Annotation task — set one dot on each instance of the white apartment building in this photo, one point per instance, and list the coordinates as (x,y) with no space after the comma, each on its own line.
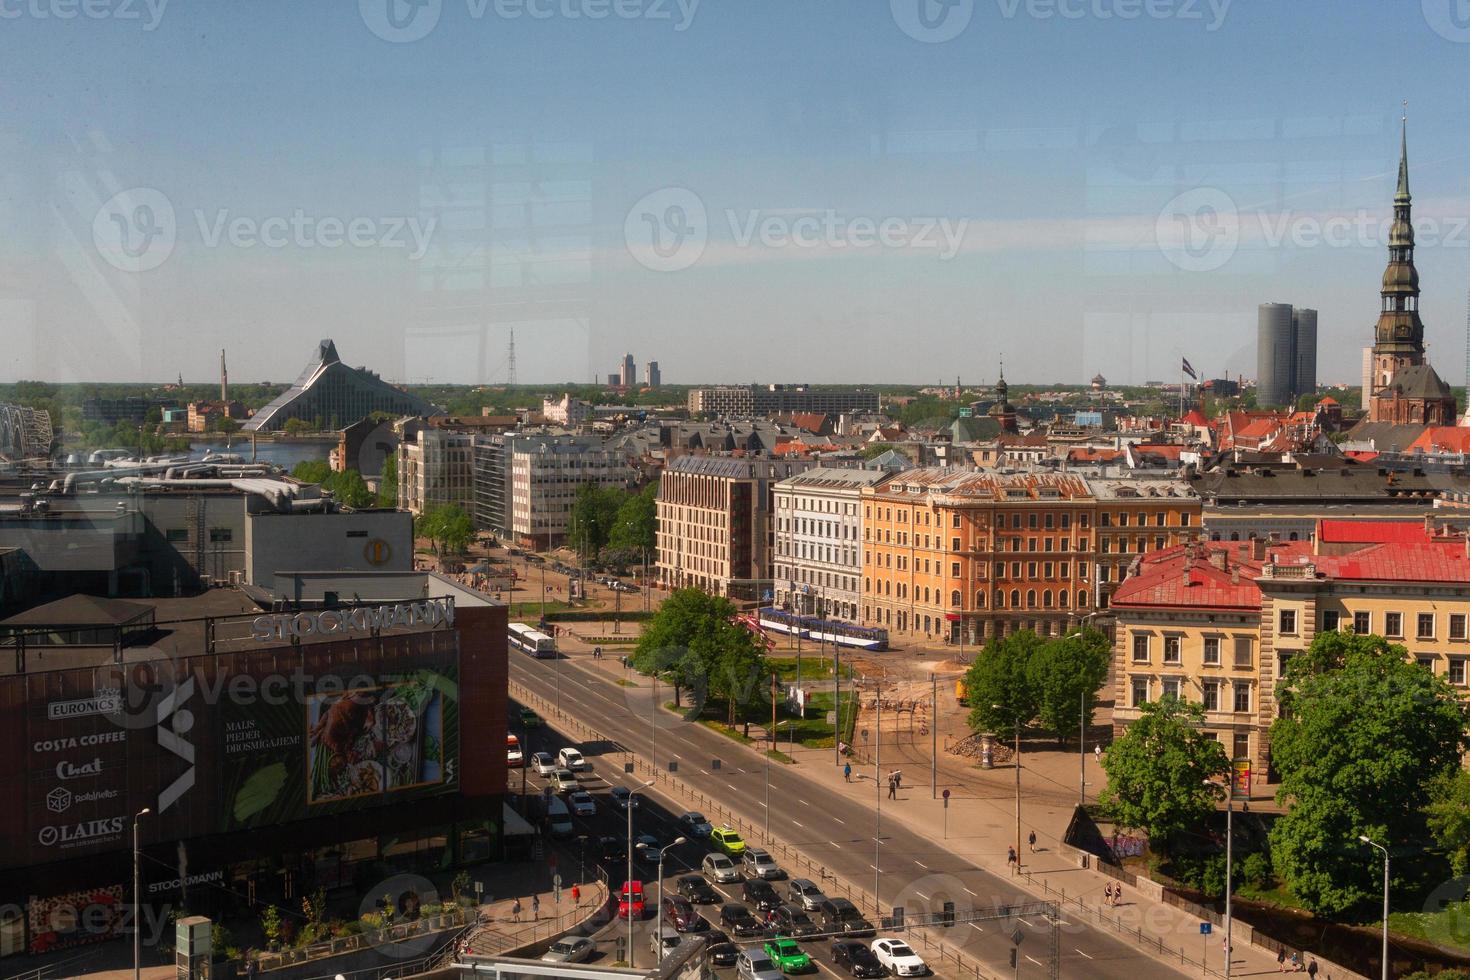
(545,474)
(436,467)
(817,559)
(566,410)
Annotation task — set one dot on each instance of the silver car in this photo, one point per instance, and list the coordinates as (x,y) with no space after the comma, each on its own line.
(801,892)
(719,868)
(573,949)
(758,863)
(754,964)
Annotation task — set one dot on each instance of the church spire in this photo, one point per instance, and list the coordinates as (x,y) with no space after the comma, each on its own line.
(1401,196)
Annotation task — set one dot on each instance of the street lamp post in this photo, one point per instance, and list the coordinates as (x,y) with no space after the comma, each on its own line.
(1018,787)
(1082,749)
(137,892)
(768,774)
(1229,864)
(658,915)
(631,801)
(1380,847)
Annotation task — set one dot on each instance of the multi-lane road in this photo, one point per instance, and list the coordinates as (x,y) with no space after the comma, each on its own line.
(832,830)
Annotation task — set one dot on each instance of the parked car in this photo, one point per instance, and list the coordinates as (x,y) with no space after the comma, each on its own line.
(760,894)
(695,825)
(720,950)
(682,914)
(787,955)
(630,900)
(570,758)
(530,719)
(623,797)
(754,964)
(899,957)
(801,891)
(790,920)
(697,890)
(719,868)
(582,803)
(612,848)
(514,757)
(661,941)
(737,918)
(857,960)
(727,840)
(563,781)
(757,863)
(559,818)
(573,949)
(839,915)
(543,763)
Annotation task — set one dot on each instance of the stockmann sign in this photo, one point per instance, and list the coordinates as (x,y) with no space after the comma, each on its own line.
(362,619)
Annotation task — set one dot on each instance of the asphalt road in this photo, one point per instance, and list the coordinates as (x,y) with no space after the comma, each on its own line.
(830,829)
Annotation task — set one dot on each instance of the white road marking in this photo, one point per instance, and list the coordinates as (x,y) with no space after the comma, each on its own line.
(873,866)
(1036,961)
(798,824)
(971,894)
(1079,952)
(922,895)
(922,865)
(976,928)
(803,802)
(840,820)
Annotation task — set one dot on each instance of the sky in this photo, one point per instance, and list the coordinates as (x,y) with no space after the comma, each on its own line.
(867,191)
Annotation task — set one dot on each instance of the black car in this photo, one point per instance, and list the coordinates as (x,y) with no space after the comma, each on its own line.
(857,959)
(841,916)
(697,890)
(788,920)
(721,951)
(760,894)
(680,911)
(739,921)
(612,848)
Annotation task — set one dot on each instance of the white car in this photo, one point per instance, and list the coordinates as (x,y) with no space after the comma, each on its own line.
(899,958)
(570,758)
(582,804)
(563,780)
(543,763)
(719,868)
(758,863)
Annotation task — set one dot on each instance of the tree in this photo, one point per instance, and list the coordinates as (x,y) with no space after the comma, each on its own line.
(388,482)
(998,685)
(350,489)
(694,641)
(447,526)
(592,517)
(312,471)
(635,524)
(1158,771)
(1448,816)
(1362,736)
(227,425)
(1065,673)
(296,427)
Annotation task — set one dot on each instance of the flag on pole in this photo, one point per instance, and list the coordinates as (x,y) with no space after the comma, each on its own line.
(1189,370)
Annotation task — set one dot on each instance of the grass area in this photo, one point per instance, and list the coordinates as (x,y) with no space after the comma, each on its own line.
(531,611)
(812,668)
(623,683)
(1277,894)
(1450,927)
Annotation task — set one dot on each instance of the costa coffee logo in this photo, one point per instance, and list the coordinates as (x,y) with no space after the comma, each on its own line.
(67,770)
(70,834)
(79,741)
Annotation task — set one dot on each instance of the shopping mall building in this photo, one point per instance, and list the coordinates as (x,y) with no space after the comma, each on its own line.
(327,733)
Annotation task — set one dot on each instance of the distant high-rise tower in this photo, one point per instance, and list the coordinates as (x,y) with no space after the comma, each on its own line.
(1304,367)
(655,377)
(224,378)
(1275,354)
(629,372)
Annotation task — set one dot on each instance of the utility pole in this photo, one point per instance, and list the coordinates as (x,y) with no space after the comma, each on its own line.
(617,610)
(837,703)
(1082,751)
(934,736)
(878,788)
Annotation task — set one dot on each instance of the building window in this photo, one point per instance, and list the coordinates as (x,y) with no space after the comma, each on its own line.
(1457,626)
(1212,651)
(1243,653)
(956,520)
(1171,650)
(1242,697)
(1287,622)
(1031,569)
(1330,618)
(1184,522)
(1082,598)
(1140,692)
(1212,695)
(1030,598)
(1426,661)
(1171,687)
(1457,671)
(1425,629)
(1140,648)
(174,534)
(1242,745)
(219,535)
(1363,624)
(954,598)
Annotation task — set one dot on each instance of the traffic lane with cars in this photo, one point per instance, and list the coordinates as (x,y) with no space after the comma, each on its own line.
(655,818)
(836,830)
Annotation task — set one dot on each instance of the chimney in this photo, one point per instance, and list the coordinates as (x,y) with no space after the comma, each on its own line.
(1258,549)
(1235,575)
(1220,558)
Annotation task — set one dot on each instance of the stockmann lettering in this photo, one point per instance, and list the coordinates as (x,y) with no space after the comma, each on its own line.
(328,622)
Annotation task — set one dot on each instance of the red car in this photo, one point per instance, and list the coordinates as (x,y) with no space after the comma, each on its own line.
(630,900)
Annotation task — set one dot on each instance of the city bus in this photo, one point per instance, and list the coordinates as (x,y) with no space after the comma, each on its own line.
(531,641)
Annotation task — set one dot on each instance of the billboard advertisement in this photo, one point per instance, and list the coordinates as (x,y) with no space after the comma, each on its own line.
(385,738)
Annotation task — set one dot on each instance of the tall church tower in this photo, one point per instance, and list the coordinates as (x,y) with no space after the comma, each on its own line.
(1405,389)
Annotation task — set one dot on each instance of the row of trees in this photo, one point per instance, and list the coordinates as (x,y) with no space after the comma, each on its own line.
(617,524)
(447,527)
(694,644)
(1367,744)
(1050,684)
(348,487)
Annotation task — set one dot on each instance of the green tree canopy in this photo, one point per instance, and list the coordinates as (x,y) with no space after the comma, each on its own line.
(635,525)
(1158,772)
(347,488)
(999,683)
(1448,815)
(388,482)
(593,514)
(694,642)
(1065,675)
(447,526)
(1363,735)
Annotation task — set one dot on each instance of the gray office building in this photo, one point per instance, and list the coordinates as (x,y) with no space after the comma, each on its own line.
(1286,354)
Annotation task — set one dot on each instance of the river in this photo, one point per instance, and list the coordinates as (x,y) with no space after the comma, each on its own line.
(286,454)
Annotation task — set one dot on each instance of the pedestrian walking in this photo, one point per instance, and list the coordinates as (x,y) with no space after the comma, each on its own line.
(847,772)
(1011,858)
(1281,960)
(1031,839)
(1296,962)
(1097,752)
(576,895)
(892,788)
(515,911)
(535,907)
(1108,893)
(897,779)
(1312,968)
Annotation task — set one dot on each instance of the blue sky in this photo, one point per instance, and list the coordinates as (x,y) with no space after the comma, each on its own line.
(795,190)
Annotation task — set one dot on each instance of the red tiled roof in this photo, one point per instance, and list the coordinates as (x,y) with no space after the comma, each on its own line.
(1094,455)
(1443,560)
(1166,450)
(1195,417)
(1442,439)
(1162,582)
(1328,400)
(1370,532)
(1361,456)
